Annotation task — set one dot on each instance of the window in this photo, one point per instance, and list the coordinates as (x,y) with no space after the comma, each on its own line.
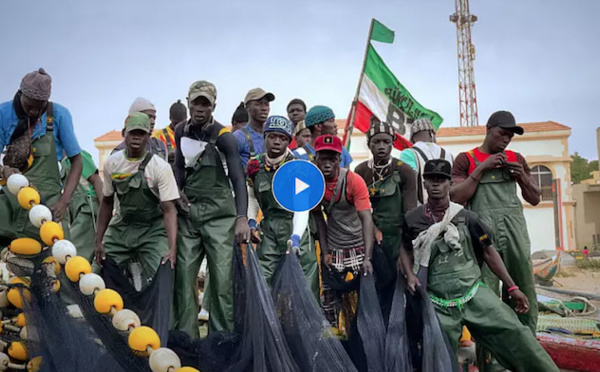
(543,178)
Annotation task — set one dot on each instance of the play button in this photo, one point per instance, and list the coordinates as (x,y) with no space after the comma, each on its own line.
(298,186)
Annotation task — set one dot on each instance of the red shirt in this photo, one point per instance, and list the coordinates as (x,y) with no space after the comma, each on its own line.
(464,164)
(357,192)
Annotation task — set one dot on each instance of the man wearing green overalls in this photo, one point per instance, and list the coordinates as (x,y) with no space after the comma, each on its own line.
(83,209)
(207,165)
(144,229)
(393,192)
(281,229)
(485,179)
(35,133)
(444,242)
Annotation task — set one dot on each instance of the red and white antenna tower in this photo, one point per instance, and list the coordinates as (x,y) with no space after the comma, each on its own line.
(467,97)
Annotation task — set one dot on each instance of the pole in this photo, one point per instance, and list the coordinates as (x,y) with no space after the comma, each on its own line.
(350,122)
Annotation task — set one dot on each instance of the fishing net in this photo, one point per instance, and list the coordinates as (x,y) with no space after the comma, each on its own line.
(309,335)
(152,304)
(65,344)
(397,354)
(263,345)
(370,324)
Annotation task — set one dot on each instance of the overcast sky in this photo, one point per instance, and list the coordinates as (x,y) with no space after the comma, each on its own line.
(537,58)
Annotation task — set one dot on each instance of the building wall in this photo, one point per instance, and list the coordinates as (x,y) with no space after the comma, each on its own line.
(549,149)
(587,214)
(104,150)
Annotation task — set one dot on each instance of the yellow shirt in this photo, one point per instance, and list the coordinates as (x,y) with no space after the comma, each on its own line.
(168,139)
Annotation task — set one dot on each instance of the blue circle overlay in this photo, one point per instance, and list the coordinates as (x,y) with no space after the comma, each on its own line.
(298,186)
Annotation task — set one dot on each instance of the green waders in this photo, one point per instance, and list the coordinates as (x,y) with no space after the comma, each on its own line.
(137,233)
(44,176)
(461,299)
(207,230)
(83,213)
(277,227)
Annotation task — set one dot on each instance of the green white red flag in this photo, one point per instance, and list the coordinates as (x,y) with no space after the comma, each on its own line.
(381,97)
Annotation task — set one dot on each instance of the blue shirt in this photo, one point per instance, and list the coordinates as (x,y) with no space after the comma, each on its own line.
(344,163)
(243,148)
(64,135)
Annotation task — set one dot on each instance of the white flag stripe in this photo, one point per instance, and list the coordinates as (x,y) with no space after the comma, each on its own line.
(373,99)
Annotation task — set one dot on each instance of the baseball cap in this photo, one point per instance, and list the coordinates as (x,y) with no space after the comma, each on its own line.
(328,142)
(438,167)
(257,94)
(137,120)
(505,120)
(279,124)
(202,88)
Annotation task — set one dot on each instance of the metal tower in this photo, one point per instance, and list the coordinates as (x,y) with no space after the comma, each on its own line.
(466,55)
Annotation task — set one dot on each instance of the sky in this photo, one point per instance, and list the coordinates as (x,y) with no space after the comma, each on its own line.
(535,58)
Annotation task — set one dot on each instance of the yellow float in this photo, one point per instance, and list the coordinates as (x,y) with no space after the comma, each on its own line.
(18,351)
(142,338)
(25,246)
(51,231)
(107,301)
(77,266)
(28,197)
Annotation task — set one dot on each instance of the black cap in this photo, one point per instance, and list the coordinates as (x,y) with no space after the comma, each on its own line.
(505,120)
(438,167)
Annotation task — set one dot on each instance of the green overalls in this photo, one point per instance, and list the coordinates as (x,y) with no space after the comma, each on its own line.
(137,233)
(277,227)
(44,176)
(461,299)
(388,212)
(207,230)
(83,214)
(496,203)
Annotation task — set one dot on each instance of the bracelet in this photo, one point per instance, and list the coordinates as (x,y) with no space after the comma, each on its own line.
(514,287)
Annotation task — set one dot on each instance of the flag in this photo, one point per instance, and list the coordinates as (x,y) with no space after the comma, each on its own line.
(381,33)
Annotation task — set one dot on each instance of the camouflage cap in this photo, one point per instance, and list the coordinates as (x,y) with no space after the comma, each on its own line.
(203,88)
(137,120)
(257,94)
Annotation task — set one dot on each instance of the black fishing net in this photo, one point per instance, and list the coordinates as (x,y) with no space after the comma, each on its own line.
(370,324)
(397,353)
(312,342)
(65,344)
(152,304)
(436,352)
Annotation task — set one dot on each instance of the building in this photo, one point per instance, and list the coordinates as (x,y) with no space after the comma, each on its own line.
(587,209)
(545,146)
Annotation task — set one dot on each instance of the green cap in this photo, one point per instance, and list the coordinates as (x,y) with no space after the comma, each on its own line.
(137,120)
(203,88)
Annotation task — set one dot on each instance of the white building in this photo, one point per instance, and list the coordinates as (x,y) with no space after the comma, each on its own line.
(545,146)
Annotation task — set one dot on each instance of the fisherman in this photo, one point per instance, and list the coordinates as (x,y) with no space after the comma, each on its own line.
(207,165)
(25,123)
(424,148)
(346,237)
(445,241)
(155,146)
(177,114)
(84,206)
(296,111)
(281,230)
(392,188)
(250,138)
(239,118)
(144,229)
(320,120)
(485,179)
(302,134)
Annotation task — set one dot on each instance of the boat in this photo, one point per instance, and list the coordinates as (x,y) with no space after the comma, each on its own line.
(574,354)
(545,269)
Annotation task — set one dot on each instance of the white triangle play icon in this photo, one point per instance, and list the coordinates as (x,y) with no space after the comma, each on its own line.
(301,186)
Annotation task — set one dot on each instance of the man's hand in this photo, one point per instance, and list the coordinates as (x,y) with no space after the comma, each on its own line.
(493,161)
(293,244)
(8,171)
(520,301)
(367,267)
(59,209)
(254,232)
(377,234)
(171,255)
(327,259)
(517,171)
(99,252)
(242,231)
(412,283)
(183,204)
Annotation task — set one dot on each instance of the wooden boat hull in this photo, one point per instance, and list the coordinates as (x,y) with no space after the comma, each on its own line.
(572,353)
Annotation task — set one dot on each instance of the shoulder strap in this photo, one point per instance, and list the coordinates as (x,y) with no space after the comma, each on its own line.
(167,139)
(249,141)
(49,117)
(472,157)
(443,153)
(214,136)
(338,188)
(420,153)
(147,158)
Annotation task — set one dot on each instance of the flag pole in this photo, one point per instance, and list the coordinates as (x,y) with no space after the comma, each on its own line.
(350,122)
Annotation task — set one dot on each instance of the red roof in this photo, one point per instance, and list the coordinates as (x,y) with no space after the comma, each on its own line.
(544,126)
(113,135)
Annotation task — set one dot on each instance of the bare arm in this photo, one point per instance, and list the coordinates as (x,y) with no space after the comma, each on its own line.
(170,220)
(104,216)
(59,208)
(494,261)
(366,220)
(520,171)
(96,182)
(465,185)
